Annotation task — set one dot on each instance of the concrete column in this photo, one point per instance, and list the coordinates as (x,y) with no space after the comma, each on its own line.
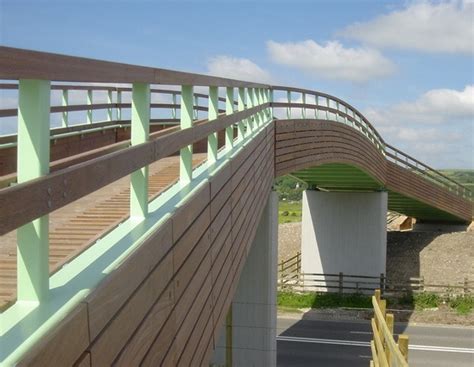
(254,303)
(344,232)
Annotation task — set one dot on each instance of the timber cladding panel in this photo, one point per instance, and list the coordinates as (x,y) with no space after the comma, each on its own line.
(164,305)
(301,144)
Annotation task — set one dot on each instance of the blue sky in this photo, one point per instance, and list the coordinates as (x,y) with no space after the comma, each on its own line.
(408,65)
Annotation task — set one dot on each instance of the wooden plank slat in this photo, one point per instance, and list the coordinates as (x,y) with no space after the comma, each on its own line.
(64,345)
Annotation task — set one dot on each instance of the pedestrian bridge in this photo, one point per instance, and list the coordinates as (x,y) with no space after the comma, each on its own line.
(131,219)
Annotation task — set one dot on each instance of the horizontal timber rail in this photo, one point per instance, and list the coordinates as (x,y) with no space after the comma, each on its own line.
(18,64)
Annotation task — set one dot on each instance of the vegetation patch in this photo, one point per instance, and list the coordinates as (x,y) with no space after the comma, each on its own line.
(289,212)
(322,300)
(462,304)
(288,300)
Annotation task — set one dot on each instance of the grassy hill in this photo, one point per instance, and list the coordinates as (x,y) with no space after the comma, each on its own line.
(463,176)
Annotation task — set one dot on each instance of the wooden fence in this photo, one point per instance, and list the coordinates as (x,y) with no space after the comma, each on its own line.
(385,351)
(291,277)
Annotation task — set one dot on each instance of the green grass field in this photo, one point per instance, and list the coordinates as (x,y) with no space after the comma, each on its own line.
(289,212)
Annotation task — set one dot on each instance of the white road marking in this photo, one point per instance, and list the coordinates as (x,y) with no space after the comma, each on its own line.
(354,343)
(361,332)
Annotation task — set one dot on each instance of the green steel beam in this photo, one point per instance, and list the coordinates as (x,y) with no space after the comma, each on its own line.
(213,113)
(229,110)
(250,104)
(288,109)
(186,153)
(109,101)
(241,107)
(140,131)
(33,162)
(119,109)
(65,114)
(90,101)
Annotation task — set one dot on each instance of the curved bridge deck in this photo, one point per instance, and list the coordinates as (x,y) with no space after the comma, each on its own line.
(155,289)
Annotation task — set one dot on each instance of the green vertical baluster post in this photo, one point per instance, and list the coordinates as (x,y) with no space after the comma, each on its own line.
(303,109)
(288,109)
(229,110)
(271,99)
(65,114)
(196,104)
(327,111)
(316,102)
(173,110)
(186,153)
(241,107)
(262,101)
(265,100)
(33,162)
(89,102)
(140,125)
(256,99)
(119,101)
(250,104)
(109,101)
(213,113)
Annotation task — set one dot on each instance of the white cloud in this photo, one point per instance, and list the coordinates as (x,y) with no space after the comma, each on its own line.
(238,68)
(445,26)
(332,60)
(436,128)
(433,107)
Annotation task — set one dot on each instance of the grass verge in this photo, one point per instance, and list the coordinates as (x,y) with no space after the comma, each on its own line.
(322,300)
(463,305)
(289,212)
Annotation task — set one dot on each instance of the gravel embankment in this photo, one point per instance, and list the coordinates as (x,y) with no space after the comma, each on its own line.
(438,257)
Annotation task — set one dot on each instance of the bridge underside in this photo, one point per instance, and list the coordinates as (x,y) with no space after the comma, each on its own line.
(335,157)
(344,177)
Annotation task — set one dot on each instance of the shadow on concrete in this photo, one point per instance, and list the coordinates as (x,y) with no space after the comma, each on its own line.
(403,254)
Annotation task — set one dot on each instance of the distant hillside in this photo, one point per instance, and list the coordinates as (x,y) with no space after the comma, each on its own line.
(463,176)
(290,189)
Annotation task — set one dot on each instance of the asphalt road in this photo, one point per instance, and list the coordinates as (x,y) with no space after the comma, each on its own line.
(345,343)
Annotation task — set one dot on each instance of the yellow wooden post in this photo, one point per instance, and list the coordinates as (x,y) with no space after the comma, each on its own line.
(382,306)
(377,295)
(390,323)
(403,345)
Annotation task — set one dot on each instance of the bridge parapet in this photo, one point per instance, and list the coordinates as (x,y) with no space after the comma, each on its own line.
(43,301)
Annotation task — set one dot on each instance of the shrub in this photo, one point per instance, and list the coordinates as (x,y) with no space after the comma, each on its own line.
(426,300)
(462,304)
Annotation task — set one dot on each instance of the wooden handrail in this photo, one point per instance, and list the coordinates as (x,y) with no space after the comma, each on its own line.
(18,64)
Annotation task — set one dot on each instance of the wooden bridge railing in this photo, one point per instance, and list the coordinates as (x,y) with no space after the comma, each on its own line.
(325,106)
(25,207)
(386,352)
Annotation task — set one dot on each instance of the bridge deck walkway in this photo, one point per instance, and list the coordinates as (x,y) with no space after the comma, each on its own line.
(80,224)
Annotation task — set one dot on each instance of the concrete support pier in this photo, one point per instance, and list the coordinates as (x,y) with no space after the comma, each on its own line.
(344,232)
(253,309)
